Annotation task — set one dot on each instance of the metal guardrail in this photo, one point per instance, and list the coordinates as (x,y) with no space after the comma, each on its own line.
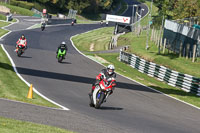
(186,82)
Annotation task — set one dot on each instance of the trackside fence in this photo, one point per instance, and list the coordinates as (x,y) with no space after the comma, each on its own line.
(186,82)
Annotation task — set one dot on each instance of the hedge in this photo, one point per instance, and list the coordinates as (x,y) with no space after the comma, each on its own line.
(23,4)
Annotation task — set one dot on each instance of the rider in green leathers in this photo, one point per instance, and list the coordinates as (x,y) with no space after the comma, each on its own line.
(62,49)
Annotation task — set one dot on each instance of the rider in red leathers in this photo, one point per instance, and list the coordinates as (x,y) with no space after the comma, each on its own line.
(21,41)
(107,74)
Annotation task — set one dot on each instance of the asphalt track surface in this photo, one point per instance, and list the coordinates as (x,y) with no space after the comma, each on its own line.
(131,108)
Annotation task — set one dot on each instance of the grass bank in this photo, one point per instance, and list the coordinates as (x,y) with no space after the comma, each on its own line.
(2,31)
(18,10)
(95,40)
(83,20)
(15,126)
(170,60)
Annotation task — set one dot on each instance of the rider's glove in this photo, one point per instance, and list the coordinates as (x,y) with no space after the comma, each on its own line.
(102,77)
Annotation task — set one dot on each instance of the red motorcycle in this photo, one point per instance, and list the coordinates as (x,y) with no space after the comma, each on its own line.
(20,50)
(100,93)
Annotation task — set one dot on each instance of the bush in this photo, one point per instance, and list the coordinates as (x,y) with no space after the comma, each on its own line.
(2,17)
(23,4)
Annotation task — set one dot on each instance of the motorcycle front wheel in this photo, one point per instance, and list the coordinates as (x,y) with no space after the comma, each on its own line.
(19,52)
(99,100)
(60,58)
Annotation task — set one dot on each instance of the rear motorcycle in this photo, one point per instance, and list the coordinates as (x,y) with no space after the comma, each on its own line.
(20,50)
(61,55)
(100,94)
(43,26)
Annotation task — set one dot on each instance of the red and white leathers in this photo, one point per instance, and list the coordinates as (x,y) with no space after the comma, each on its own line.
(22,42)
(111,78)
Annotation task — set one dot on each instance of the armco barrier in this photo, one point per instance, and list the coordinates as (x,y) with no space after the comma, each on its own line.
(186,82)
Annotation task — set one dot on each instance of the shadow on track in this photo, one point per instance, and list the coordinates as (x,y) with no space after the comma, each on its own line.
(110,108)
(66,63)
(25,57)
(79,79)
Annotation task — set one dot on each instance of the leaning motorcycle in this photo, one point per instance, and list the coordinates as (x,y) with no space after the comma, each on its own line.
(100,94)
(20,50)
(61,55)
(43,26)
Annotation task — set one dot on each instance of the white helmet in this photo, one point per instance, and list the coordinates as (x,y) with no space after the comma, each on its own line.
(110,69)
(63,43)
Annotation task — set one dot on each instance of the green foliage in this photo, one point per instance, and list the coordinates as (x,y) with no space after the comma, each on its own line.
(23,4)
(43,1)
(105,4)
(177,9)
(55,6)
(78,5)
(2,17)
(186,9)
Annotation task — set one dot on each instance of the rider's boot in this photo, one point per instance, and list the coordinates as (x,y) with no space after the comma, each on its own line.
(90,94)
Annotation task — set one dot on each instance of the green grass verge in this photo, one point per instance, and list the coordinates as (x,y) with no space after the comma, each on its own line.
(83,20)
(2,24)
(99,38)
(18,10)
(15,126)
(11,86)
(2,32)
(2,17)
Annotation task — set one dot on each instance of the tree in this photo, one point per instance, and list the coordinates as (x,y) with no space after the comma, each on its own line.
(78,5)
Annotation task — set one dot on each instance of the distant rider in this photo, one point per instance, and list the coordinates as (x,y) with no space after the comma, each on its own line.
(22,41)
(107,74)
(62,47)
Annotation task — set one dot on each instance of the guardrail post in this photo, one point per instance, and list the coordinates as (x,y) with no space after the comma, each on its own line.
(180,49)
(165,41)
(187,51)
(194,52)
(158,40)
(152,33)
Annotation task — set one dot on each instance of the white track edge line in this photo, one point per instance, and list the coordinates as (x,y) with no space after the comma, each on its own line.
(130,78)
(27,83)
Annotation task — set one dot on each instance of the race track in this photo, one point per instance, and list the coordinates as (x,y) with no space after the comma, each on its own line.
(131,108)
